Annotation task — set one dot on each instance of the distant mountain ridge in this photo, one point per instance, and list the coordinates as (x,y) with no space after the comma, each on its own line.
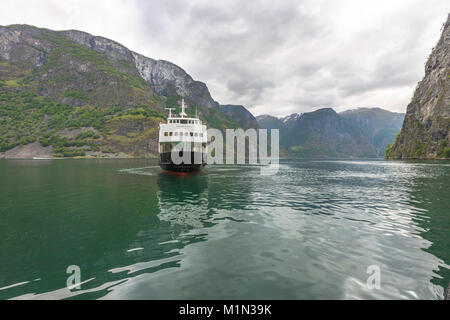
(379,125)
(243,117)
(323,133)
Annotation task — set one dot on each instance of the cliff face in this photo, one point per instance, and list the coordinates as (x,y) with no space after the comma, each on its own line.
(426,130)
(49,63)
(164,77)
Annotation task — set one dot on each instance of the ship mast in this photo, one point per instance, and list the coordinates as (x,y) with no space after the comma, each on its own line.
(183,106)
(170,111)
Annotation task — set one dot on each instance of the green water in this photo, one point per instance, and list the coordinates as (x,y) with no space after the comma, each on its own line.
(309,232)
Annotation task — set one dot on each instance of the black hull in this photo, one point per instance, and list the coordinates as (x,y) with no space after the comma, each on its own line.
(197,163)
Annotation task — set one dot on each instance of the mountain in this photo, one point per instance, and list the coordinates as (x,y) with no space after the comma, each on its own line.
(69,93)
(426,130)
(270,122)
(324,133)
(241,115)
(380,126)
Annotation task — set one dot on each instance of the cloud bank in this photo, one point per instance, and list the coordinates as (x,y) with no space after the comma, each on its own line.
(272,57)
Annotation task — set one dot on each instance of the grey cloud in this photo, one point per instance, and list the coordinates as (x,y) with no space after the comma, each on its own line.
(249,87)
(275,57)
(291,56)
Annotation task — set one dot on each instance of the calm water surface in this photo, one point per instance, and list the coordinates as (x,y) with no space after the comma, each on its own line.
(309,232)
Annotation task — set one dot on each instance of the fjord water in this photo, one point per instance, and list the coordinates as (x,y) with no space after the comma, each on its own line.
(309,232)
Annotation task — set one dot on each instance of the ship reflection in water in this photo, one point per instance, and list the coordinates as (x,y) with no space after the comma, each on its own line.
(183,201)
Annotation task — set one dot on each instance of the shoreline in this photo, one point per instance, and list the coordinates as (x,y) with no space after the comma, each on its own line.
(43,158)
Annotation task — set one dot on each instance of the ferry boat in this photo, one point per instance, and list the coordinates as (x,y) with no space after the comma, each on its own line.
(182,143)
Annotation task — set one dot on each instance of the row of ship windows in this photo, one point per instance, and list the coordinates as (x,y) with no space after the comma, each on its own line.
(186,134)
(184,121)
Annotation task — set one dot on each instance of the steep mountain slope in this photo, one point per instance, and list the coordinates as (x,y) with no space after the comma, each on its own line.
(83,95)
(380,126)
(243,117)
(324,133)
(270,122)
(426,130)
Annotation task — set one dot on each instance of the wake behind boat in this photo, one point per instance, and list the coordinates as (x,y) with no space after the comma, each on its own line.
(182,144)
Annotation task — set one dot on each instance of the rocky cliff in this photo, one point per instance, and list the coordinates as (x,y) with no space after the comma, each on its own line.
(426,129)
(164,77)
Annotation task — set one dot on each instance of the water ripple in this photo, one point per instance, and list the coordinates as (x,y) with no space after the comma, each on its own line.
(309,232)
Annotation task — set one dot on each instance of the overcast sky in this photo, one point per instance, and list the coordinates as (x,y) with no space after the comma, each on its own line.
(275,57)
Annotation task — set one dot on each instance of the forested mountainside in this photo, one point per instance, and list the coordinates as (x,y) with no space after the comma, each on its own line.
(379,125)
(362,132)
(68,93)
(243,117)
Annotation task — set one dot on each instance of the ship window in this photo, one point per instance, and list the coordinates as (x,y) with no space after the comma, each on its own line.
(186,134)
(201,134)
(176,133)
(166,134)
(170,133)
(196,134)
(192,134)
